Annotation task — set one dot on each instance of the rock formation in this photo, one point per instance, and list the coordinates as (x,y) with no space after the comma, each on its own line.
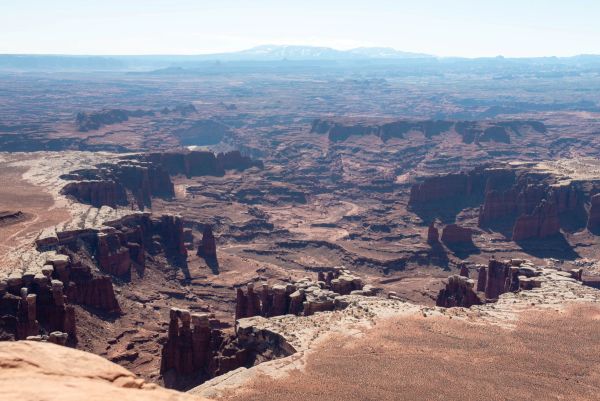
(593,223)
(459,291)
(440,188)
(188,346)
(433,235)
(35,304)
(134,180)
(304,297)
(201,163)
(454,234)
(527,203)
(493,280)
(208,245)
(464,269)
(93,121)
(120,184)
(543,222)
(123,243)
(114,250)
(470,131)
(34,370)
(504,276)
(97,193)
(197,350)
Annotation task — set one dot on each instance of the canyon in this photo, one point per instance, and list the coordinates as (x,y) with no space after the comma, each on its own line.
(315,232)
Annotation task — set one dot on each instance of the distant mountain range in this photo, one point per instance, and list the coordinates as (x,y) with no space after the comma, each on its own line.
(269,55)
(298,53)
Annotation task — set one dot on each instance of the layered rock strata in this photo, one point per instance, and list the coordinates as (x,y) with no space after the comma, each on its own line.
(527,202)
(470,131)
(134,180)
(123,243)
(201,163)
(543,222)
(126,183)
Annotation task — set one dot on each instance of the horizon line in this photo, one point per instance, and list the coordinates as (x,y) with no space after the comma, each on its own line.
(415,53)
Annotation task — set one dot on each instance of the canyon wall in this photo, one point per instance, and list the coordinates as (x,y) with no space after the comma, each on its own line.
(470,131)
(528,204)
(134,180)
(78,268)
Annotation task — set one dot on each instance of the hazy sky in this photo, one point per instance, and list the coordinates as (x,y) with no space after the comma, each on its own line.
(441,27)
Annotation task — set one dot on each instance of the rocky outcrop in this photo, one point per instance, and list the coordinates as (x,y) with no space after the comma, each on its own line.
(123,243)
(440,188)
(197,350)
(201,163)
(497,205)
(500,277)
(527,202)
(493,280)
(476,132)
(470,131)
(208,245)
(304,297)
(93,121)
(433,235)
(543,222)
(515,199)
(114,250)
(82,284)
(464,269)
(97,193)
(33,370)
(234,160)
(459,291)
(120,184)
(39,303)
(497,280)
(137,178)
(188,346)
(8,217)
(95,291)
(34,305)
(473,184)
(593,222)
(454,234)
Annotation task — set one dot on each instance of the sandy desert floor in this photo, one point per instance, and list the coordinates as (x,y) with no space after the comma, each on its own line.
(549,355)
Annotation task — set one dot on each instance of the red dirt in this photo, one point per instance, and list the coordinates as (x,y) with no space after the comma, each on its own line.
(545,358)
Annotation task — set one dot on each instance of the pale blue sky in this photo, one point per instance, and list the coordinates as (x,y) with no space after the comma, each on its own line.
(442,27)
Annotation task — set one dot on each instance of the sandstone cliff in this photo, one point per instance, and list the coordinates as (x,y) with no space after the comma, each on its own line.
(33,371)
